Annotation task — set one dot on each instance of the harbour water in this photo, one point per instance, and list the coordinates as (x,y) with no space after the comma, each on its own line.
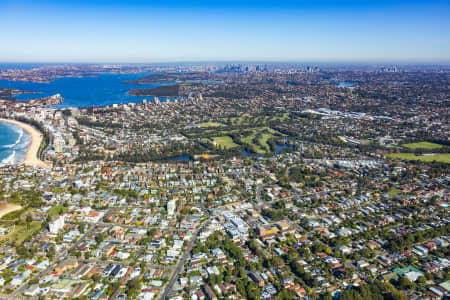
(14,143)
(346,84)
(102,90)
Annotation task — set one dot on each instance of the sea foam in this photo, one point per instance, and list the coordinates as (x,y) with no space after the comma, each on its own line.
(17,141)
(10,159)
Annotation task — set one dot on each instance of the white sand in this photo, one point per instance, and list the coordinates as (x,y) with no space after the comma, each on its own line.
(31,158)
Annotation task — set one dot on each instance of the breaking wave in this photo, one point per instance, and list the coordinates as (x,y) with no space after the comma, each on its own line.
(13,153)
(17,141)
(10,159)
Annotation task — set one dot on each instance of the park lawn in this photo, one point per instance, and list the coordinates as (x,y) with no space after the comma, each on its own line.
(423,145)
(56,210)
(21,233)
(225,142)
(210,124)
(11,216)
(68,284)
(443,157)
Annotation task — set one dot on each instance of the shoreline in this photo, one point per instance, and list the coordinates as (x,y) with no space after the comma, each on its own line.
(7,208)
(31,158)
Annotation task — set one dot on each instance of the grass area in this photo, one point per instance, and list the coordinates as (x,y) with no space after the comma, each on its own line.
(68,284)
(11,216)
(422,145)
(262,134)
(225,142)
(237,120)
(444,157)
(21,232)
(261,147)
(262,140)
(57,210)
(255,133)
(394,192)
(249,140)
(249,120)
(210,124)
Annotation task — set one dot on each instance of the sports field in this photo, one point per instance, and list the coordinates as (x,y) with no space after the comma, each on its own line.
(423,145)
(443,157)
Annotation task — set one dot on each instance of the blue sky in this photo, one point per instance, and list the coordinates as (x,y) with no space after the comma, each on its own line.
(164,31)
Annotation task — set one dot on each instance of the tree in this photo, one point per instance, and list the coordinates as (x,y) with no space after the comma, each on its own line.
(228,275)
(405,283)
(421,280)
(99,238)
(28,219)
(327,297)
(96,277)
(81,228)
(22,251)
(51,252)
(212,280)
(133,286)
(292,254)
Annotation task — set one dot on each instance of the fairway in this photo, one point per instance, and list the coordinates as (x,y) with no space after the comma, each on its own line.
(444,158)
(210,124)
(261,147)
(256,120)
(225,142)
(262,140)
(249,140)
(423,145)
(256,138)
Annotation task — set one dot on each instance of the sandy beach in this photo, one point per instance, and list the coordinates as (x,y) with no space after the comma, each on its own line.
(7,208)
(31,158)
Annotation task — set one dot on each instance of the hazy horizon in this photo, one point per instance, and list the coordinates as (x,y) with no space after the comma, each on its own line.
(239,61)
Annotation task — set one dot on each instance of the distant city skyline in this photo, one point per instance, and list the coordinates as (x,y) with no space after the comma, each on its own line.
(173,31)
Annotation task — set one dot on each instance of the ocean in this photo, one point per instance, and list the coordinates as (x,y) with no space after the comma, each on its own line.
(14,143)
(105,89)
